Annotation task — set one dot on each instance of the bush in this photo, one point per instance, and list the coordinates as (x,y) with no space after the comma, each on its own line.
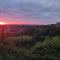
(49,49)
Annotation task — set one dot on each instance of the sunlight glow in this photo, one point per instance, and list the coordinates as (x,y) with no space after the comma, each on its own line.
(2,23)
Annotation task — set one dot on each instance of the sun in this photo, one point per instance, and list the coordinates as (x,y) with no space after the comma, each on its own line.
(3,23)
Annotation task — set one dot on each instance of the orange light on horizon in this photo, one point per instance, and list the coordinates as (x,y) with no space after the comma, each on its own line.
(3,23)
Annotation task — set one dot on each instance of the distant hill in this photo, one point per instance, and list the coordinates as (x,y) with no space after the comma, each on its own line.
(16,30)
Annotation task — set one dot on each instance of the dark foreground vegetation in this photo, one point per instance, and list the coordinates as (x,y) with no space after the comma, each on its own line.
(30,43)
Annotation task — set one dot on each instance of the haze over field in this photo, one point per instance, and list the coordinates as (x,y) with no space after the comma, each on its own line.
(30,11)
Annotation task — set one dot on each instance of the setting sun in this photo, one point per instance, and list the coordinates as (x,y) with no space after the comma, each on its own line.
(2,23)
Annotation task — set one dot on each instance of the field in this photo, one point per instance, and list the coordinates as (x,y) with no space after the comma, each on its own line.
(32,42)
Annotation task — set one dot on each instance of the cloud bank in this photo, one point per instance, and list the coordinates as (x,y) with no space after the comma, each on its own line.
(34,11)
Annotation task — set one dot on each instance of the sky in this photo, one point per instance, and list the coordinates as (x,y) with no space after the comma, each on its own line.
(30,11)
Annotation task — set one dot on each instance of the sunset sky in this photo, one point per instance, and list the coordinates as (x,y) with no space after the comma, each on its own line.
(30,11)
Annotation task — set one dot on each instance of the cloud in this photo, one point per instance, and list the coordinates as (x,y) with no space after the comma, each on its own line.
(47,10)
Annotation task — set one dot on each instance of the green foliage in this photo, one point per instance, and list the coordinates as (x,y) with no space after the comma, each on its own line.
(48,49)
